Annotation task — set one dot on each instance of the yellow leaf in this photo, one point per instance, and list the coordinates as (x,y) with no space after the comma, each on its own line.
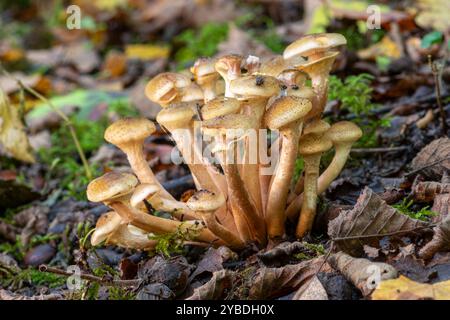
(386,47)
(146,51)
(109,5)
(12,134)
(403,288)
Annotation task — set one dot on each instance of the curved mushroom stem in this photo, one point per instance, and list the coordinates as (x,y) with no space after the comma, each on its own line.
(308,213)
(279,187)
(123,237)
(297,189)
(219,230)
(248,223)
(159,225)
(326,178)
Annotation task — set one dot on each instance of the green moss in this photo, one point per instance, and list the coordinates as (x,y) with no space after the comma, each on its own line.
(405,207)
(172,243)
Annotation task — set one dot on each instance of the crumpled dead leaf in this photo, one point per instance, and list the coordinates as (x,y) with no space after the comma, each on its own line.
(12,131)
(440,241)
(386,47)
(215,288)
(212,261)
(270,283)
(363,273)
(370,216)
(7,295)
(34,220)
(406,289)
(436,150)
(313,290)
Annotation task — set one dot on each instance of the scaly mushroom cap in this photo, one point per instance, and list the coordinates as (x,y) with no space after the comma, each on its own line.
(314,44)
(312,143)
(285,110)
(229,65)
(203,67)
(193,92)
(176,115)
(126,130)
(205,201)
(317,127)
(164,87)
(301,92)
(255,86)
(219,107)
(110,186)
(293,77)
(106,225)
(273,67)
(221,124)
(320,65)
(142,192)
(344,131)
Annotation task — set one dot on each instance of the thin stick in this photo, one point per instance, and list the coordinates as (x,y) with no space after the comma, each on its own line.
(426,166)
(379,150)
(90,277)
(67,121)
(383,234)
(437,86)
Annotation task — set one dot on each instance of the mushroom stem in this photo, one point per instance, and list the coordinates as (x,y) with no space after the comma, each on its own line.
(159,225)
(308,212)
(219,230)
(279,187)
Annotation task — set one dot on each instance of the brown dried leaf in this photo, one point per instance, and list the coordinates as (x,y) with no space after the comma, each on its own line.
(440,241)
(438,149)
(313,290)
(212,261)
(13,138)
(7,295)
(34,220)
(270,283)
(363,273)
(370,216)
(441,205)
(215,288)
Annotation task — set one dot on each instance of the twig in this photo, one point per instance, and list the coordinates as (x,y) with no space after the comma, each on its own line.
(378,150)
(90,277)
(66,120)
(426,166)
(437,85)
(378,235)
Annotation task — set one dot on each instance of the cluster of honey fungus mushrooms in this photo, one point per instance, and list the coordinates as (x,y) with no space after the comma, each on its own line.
(237,205)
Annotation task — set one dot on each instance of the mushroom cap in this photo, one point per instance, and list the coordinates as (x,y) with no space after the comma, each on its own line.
(142,192)
(255,86)
(176,115)
(193,92)
(313,143)
(106,225)
(344,132)
(273,67)
(229,64)
(219,107)
(285,110)
(320,65)
(314,43)
(111,185)
(301,92)
(203,67)
(293,77)
(220,125)
(160,88)
(317,126)
(205,200)
(129,130)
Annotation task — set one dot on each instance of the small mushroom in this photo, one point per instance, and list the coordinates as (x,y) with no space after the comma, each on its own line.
(311,147)
(285,114)
(273,67)
(254,93)
(249,224)
(106,225)
(206,76)
(219,107)
(165,87)
(205,203)
(314,46)
(229,67)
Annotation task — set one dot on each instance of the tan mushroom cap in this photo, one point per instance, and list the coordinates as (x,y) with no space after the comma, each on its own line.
(320,64)
(203,67)
(317,127)
(110,186)
(312,143)
(160,88)
(229,64)
(205,201)
(106,225)
(193,92)
(313,44)
(220,125)
(293,77)
(142,192)
(285,110)
(301,92)
(344,131)
(127,130)
(176,115)
(255,86)
(219,107)
(273,67)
